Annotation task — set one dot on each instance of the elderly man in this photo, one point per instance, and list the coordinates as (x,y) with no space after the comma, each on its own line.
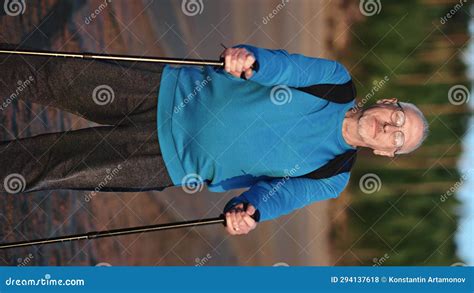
(287,130)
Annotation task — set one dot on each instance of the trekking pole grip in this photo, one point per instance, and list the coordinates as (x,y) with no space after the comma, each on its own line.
(255,216)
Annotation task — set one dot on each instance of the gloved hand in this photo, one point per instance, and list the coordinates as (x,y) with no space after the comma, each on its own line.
(238,61)
(240,218)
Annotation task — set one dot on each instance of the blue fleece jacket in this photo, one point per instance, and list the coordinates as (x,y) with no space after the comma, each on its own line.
(234,133)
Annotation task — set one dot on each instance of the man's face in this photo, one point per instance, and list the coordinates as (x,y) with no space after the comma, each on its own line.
(387,128)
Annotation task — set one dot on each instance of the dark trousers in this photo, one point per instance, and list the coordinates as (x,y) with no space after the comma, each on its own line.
(122,155)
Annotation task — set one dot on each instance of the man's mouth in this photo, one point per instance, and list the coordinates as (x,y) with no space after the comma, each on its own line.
(374,126)
(368,127)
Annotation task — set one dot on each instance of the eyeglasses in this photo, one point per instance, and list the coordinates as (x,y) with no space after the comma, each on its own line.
(398,119)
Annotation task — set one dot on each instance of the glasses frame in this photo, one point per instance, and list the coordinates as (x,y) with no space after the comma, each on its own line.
(400,108)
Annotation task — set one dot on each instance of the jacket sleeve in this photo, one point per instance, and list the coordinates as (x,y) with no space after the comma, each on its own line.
(278,67)
(282,196)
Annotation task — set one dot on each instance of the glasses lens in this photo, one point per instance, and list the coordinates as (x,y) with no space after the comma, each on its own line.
(398,118)
(399,139)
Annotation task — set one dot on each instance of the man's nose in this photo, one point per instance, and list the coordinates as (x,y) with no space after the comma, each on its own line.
(390,128)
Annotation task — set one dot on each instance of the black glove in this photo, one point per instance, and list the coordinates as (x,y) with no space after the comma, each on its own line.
(235,201)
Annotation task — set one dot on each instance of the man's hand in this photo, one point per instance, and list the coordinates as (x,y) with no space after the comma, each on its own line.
(238,60)
(240,222)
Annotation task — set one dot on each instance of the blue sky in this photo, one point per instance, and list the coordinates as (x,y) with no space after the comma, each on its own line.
(465,234)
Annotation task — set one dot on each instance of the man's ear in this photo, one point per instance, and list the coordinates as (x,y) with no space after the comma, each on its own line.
(387,101)
(384,153)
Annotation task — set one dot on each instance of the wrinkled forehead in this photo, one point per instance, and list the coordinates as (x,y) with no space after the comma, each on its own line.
(412,129)
(384,106)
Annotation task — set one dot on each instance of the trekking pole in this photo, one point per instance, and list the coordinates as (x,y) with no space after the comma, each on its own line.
(116,232)
(176,61)
(125,231)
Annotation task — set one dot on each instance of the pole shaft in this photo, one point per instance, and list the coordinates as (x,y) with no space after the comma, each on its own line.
(116,232)
(117,58)
(124,231)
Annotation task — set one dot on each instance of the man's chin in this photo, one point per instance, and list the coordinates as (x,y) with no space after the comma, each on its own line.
(364,136)
(362,129)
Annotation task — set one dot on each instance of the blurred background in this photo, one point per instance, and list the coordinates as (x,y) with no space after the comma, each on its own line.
(410,210)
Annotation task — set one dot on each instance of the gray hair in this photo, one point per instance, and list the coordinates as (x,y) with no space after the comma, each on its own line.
(426,128)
